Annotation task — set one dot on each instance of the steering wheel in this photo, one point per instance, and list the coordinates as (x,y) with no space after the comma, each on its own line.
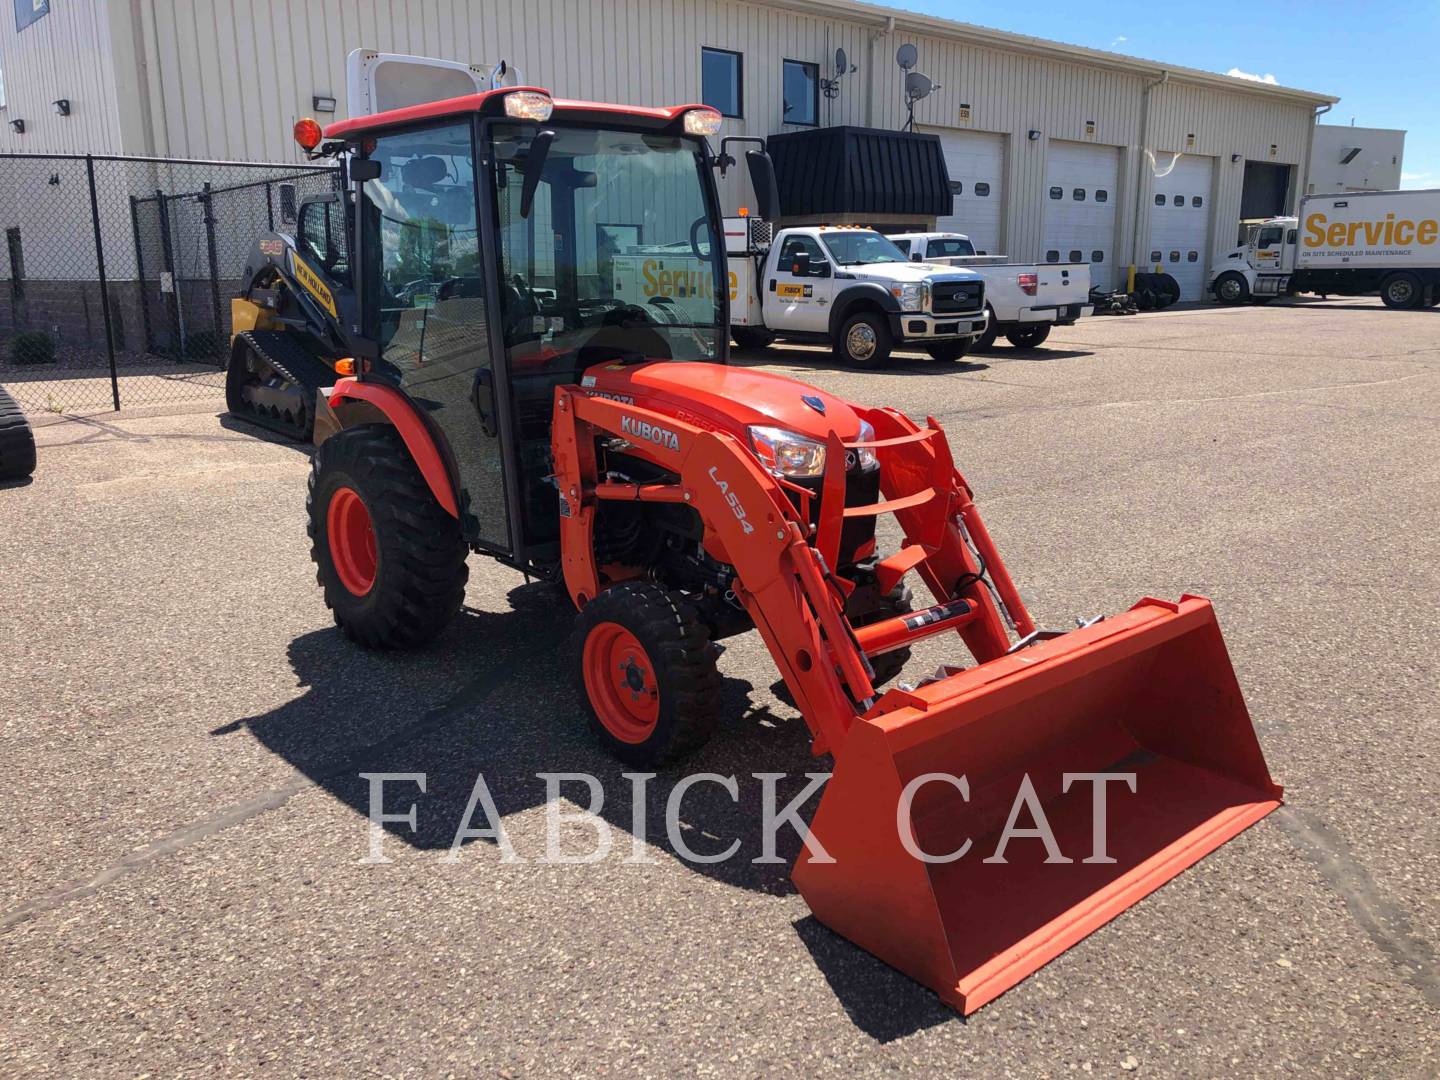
(694,238)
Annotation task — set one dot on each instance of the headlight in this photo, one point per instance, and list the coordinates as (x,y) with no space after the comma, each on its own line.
(702,122)
(529,105)
(865,456)
(784,453)
(911,297)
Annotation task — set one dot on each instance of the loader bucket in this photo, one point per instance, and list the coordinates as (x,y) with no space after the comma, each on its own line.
(1150,692)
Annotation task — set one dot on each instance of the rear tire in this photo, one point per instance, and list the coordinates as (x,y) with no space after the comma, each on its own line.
(864,341)
(1402,292)
(1029,337)
(1231,290)
(390,559)
(950,350)
(748,337)
(645,668)
(17,441)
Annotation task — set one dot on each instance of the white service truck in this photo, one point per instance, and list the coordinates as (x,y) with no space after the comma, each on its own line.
(1024,299)
(1357,243)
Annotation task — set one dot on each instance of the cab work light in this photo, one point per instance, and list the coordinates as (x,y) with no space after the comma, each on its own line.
(702,122)
(307,133)
(529,105)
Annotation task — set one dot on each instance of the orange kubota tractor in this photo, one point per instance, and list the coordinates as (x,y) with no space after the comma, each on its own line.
(505,402)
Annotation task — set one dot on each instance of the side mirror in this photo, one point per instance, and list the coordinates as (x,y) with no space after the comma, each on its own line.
(800,264)
(364,169)
(915,257)
(762,179)
(820,270)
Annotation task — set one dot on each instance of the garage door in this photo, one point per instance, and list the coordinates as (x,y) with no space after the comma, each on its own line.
(976,163)
(1082,183)
(1180,222)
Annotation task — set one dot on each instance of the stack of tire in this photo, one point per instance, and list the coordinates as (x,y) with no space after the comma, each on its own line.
(17,441)
(1155,291)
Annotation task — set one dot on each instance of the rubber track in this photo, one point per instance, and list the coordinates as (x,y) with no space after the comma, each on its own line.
(17,441)
(293,362)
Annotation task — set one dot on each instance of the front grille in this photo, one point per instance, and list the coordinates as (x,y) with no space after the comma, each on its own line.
(948,296)
(862,488)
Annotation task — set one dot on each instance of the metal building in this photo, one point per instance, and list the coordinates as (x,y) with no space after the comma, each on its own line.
(1054,151)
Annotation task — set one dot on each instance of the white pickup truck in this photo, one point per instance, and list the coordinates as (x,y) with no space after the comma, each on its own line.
(1024,300)
(851,287)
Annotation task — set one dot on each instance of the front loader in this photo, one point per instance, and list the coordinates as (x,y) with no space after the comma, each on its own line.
(507,403)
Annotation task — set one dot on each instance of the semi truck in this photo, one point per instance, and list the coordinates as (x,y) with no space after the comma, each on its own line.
(843,285)
(1356,243)
(1023,300)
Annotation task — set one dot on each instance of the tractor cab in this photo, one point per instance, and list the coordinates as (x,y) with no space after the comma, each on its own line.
(487,230)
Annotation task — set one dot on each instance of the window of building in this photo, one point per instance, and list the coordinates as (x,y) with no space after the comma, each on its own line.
(1078,194)
(1154,256)
(801,90)
(29,12)
(720,81)
(957,187)
(1057,193)
(1101,195)
(1179,200)
(1052,256)
(1159,200)
(1076,254)
(1097,256)
(1174,256)
(1192,256)
(982,189)
(1197,202)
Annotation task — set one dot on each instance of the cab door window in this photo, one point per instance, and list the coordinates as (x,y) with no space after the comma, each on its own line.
(800,250)
(320,236)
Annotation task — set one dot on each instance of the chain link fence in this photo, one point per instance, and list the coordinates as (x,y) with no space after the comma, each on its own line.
(117,272)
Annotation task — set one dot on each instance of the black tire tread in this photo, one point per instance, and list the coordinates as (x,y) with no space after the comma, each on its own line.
(678,645)
(17,440)
(421,585)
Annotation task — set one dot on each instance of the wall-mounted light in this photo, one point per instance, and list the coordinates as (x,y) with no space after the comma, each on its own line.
(1234,158)
(62,107)
(17,126)
(323,104)
(1034,135)
(964,110)
(1089,127)
(1274,149)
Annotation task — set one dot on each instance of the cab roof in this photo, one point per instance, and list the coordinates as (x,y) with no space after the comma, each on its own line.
(491,103)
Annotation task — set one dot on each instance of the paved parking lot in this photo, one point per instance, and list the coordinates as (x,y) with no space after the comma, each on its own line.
(181,887)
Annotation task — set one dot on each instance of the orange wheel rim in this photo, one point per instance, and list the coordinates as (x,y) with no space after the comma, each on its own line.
(352,541)
(620,682)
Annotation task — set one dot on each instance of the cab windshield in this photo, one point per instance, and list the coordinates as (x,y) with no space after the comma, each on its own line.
(861,247)
(615,258)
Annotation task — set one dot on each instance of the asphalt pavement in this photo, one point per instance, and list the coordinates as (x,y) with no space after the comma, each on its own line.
(183,884)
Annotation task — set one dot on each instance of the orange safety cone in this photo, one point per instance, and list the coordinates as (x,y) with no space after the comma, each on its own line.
(1149,695)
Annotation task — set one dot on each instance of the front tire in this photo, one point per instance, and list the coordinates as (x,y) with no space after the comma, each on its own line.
(950,350)
(986,341)
(645,668)
(389,558)
(1402,292)
(864,340)
(1231,289)
(1029,337)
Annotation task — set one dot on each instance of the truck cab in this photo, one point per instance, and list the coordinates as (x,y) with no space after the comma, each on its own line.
(1261,267)
(853,288)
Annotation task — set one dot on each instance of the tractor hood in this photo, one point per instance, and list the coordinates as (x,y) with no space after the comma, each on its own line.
(727,399)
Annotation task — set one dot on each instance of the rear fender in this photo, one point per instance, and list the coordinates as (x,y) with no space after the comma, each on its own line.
(349,403)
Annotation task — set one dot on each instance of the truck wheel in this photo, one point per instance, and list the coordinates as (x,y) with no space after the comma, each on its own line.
(646,671)
(986,341)
(748,337)
(864,340)
(17,441)
(1029,337)
(1402,291)
(390,559)
(950,350)
(1231,289)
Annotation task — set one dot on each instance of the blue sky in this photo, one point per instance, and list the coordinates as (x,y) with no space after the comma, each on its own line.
(1383,62)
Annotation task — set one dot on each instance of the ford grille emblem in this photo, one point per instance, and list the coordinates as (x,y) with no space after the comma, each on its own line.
(814,403)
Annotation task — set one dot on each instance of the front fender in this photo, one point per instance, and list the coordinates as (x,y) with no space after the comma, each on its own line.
(861,292)
(402,414)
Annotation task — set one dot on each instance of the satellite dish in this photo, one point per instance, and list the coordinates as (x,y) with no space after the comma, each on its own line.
(842,63)
(917,85)
(907,56)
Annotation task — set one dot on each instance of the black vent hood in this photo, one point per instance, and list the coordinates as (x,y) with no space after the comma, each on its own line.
(855,173)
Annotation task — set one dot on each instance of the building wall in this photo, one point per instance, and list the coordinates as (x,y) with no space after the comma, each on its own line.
(227,80)
(1375,168)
